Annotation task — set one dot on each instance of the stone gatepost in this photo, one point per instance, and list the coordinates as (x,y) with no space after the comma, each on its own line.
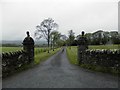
(28,47)
(82,46)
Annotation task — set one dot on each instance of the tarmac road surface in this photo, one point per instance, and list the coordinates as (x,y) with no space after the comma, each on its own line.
(57,72)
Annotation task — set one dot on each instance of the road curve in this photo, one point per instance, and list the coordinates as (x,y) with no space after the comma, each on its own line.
(57,72)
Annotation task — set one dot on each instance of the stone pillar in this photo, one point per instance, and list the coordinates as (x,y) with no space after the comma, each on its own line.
(82,46)
(28,47)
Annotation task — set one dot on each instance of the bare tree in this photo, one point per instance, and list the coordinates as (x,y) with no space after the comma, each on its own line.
(45,28)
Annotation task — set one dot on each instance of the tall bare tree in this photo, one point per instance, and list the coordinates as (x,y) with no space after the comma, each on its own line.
(45,28)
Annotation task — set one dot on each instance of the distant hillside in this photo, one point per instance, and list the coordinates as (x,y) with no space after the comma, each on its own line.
(19,42)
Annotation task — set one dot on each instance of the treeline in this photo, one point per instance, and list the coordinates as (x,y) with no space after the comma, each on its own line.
(97,38)
(101,38)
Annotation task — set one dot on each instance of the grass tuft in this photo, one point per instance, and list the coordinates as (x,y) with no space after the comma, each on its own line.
(44,55)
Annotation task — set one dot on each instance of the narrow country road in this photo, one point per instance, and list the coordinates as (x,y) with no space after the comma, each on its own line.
(57,72)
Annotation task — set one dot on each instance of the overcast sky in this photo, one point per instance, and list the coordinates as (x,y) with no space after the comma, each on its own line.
(18,16)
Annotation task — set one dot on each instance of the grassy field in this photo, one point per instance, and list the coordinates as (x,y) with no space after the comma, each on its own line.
(11,49)
(104,46)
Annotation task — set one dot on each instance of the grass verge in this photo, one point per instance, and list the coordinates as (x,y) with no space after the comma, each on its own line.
(45,55)
(72,56)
